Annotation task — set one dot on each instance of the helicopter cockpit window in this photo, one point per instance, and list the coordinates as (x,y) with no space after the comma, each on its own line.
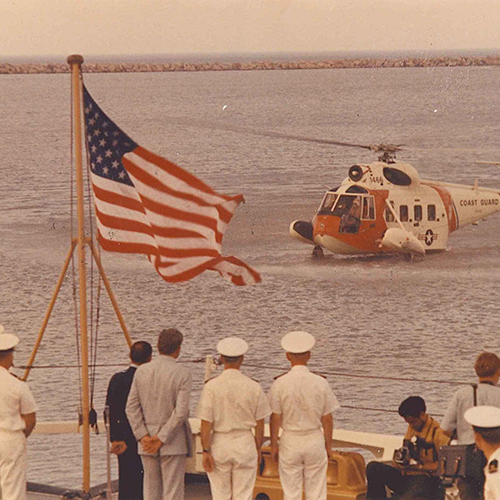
(328,202)
(403,213)
(389,216)
(368,208)
(396,176)
(357,189)
(348,208)
(417,211)
(431,212)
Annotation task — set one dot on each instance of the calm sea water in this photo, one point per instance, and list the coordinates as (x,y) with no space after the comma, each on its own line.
(384,317)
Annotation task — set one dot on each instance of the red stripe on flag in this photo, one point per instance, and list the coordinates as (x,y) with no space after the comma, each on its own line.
(177,171)
(159,210)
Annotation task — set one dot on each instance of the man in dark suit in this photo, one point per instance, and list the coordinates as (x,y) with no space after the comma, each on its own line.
(123,442)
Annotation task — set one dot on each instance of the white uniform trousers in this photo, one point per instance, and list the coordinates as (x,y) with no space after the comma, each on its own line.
(12,465)
(164,477)
(302,464)
(235,457)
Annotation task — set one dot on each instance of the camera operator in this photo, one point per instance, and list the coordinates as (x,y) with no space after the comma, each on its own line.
(410,474)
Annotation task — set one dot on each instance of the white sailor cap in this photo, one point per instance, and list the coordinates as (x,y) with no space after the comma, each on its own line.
(298,342)
(232,347)
(486,417)
(7,340)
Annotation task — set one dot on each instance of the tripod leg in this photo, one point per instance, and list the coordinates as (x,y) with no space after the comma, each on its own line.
(49,310)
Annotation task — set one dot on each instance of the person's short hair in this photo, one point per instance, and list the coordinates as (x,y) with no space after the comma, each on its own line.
(140,352)
(231,359)
(169,341)
(487,364)
(412,407)
(4,354)
(491,436)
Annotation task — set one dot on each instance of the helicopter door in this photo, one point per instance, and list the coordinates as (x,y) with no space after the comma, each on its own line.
(428,225)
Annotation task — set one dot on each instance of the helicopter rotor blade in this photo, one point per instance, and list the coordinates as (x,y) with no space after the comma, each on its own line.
(377,148)
(280,135)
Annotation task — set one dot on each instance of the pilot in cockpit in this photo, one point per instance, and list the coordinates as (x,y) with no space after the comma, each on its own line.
(355,210)
(351,220)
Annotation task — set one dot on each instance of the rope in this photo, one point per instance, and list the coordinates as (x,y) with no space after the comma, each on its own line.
(378,377)
(94,321)
(24,367)
(94,325)
(202,360)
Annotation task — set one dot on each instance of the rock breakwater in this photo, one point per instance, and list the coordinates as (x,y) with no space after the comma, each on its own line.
(411,62)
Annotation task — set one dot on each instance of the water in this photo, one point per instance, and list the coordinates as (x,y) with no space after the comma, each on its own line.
(371,316)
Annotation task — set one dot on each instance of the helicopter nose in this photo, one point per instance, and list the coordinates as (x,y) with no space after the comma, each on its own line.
(302,230)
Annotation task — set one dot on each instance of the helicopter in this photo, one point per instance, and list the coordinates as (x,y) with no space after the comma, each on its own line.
(385,207)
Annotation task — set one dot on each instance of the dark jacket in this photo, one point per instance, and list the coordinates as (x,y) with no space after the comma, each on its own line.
(116,399)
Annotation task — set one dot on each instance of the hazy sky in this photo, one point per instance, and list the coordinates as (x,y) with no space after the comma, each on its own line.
(89,27)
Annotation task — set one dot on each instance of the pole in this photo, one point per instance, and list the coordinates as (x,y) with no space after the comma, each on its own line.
(49,311)
(75,62)
(111,295)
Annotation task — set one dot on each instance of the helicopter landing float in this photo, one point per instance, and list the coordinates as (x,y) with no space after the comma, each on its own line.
(385,207)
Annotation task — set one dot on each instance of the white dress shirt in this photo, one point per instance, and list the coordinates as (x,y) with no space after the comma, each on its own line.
(302,398)
(232,402)
(462,400)
(15,400)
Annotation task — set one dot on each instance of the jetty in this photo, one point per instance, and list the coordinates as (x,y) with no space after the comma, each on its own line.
(129,67)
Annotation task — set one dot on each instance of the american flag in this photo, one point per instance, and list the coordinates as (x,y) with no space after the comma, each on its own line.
(146,204)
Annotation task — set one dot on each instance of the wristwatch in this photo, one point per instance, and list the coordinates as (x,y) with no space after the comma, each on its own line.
(206,451)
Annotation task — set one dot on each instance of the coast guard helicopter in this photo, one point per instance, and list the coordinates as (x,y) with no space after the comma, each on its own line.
(385,207)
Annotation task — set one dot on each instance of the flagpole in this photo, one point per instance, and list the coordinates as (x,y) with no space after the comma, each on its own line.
(75,62)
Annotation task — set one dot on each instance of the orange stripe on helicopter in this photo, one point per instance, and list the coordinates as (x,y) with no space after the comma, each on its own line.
(451,210)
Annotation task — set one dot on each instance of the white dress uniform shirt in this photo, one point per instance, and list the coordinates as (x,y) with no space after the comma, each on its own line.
(302,399)
(233,403)
(492,473)
(15,400)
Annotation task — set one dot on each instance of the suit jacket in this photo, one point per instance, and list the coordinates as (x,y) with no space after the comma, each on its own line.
(158,404)
(116,399)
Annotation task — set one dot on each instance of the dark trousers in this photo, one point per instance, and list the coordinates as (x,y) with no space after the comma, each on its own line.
(407,487)
(471,488)
(130,474)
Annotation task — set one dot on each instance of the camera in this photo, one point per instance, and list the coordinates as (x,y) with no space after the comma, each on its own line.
(408,453)
(402,456)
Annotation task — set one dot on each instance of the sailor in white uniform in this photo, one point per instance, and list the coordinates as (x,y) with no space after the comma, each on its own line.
(302,404)
(231,406)
(485,421)
(17,420)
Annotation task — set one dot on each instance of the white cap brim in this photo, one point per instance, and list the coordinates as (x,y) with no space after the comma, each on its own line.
(8,341)
(487,417)
(298,342)
(232,347)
